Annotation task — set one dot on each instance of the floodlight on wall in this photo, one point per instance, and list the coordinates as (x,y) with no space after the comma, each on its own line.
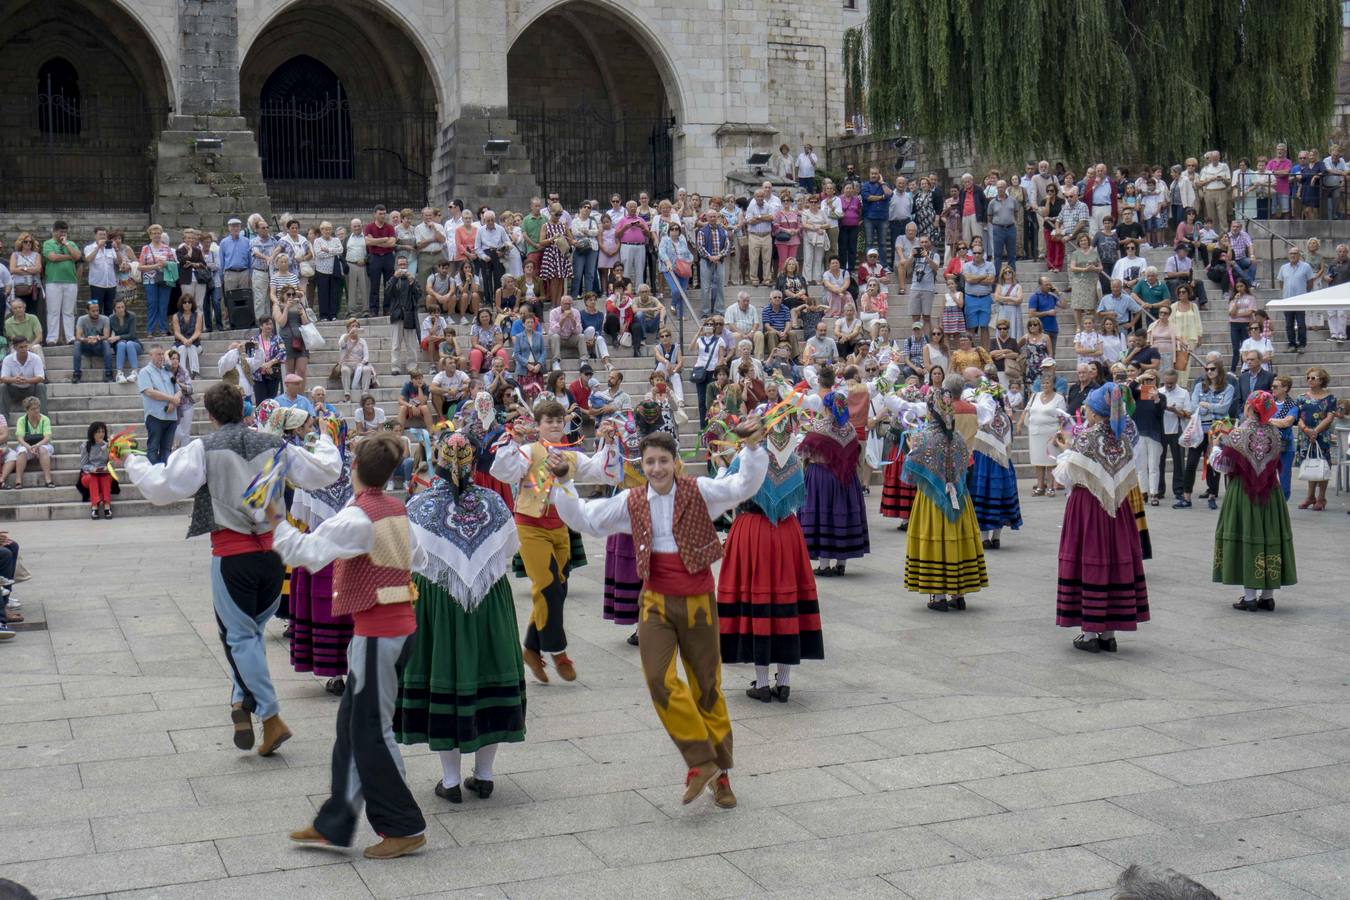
(757,162)
(496,147)
(207,145)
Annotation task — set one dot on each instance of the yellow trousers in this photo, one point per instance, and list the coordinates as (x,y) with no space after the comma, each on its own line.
(545,552)
(694,714)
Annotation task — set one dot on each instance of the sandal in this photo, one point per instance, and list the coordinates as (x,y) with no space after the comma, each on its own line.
(51,484)
(1037,491)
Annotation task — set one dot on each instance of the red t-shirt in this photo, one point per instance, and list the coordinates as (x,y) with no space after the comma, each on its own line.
(967,207)
(581,392)
(379,231)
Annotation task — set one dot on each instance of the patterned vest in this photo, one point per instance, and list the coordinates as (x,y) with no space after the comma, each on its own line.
(695,535)
(380,576)
(530,500)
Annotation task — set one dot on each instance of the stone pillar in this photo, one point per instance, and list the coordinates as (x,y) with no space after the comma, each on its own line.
(208,166)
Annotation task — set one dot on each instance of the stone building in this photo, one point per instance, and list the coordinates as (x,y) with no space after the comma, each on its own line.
(189,109)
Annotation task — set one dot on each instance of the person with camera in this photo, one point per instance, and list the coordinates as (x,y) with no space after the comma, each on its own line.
(106,258)
(402,295)
(92,338)
(924,264)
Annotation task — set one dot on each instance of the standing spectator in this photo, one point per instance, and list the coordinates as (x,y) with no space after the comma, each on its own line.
(709,354)
(876,202)
(1176,402)
(126,348)
(1148,413)
(159,400)
(1043,305)
(676,262)
(1084,267)
(403,296)
(60,284)
(380,241)
(1051,207)
(1330,175)
(585,251)
(759,235)
(92,338)
(34,434)
(978,275)
(1338,272)
(492,248)
(328,279)
(713,244)
(404,239)
(1001,214)
(301,252)
(1008,302)
(806,169)
(1295,278)
(235,261)
(1241,307)
(182,380)
(428,241)
(787,231)
(555,266)
(899,214)
(815,238)
(1211,398)
(357,259)
(1099,193)
(105,261)
(290,313)
(193,273)
(1041,421)
(1213,184)
(25,270)
(262,249)
(634,234)
(211,305)
(970,207)
(23,376)
(1278,168)
(267,358)
(1316,414)
(850,219)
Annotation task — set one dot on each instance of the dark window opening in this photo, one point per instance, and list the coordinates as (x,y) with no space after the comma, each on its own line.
(305,123)
(58,98)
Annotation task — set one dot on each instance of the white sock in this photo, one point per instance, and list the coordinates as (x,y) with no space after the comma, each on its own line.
(784,674)
(1268,594)
(761,676)
(482,762)
(995,533)
(1107,635)
(449,767)
(1249,594)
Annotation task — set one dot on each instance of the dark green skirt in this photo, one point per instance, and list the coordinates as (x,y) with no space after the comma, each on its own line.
(464,686)
(578,556)
(1253,543)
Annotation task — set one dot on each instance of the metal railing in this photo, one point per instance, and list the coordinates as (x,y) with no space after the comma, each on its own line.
(584,154)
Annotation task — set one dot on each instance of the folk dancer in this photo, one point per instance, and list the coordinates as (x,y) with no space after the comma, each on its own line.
(463,690)
(545,544)
(1254,542)
(246,576)
(992,478)
(671,521)
(1102,588)
(370,548)
(833,515)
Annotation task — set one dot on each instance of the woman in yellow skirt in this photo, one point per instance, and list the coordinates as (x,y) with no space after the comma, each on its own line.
(944,558)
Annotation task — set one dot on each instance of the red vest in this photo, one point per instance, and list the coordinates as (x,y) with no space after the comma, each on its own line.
(380,576)
(695,536)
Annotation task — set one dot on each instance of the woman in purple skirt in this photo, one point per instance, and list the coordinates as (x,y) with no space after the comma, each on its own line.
(1101,561)
(834,517)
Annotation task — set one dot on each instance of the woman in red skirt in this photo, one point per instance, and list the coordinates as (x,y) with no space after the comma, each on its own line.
(767,608)
(1101,560)
(907,410)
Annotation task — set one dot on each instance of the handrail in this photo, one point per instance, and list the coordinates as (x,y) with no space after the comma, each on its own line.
(1248,223)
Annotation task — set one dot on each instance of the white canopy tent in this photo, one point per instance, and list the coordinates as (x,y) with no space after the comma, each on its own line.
(1334,297)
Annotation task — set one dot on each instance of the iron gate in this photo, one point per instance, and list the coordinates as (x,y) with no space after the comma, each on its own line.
(330,154)
(584,154)
(77,152)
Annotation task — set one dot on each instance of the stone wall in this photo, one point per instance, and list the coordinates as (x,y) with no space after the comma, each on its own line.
(208,57)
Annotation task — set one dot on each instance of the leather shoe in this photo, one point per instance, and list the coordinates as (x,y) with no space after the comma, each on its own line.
(275,733)
(698,779)
(1266,604)
(566,670)
(1108,645)
(1085,643)
(723,796)
(394,847)
(310,835)
(1246,605)
(535,663)
(482,788)
(762,694)
(243,726)
(453,794)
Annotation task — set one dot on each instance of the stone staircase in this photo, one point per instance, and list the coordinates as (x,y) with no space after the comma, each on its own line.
(73,407)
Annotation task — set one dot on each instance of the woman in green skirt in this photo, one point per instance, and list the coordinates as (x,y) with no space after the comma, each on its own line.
(1254,543)
(463,690)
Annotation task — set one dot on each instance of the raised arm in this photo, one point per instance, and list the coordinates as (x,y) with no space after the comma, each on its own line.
(725,493)
(510,462)
(167,482)
(346,535)
(599,518)
(604,466)
(314,469)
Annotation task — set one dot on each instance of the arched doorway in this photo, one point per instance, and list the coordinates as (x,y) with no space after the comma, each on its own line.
(344,108)
(598,118)
(81,112)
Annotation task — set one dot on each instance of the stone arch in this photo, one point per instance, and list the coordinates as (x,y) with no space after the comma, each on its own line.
(590,123)
(88,152)
(373,139)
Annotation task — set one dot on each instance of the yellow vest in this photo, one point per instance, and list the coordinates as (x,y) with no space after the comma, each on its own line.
(530,500)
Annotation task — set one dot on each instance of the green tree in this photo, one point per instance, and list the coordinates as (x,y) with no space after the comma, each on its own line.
(1148,79)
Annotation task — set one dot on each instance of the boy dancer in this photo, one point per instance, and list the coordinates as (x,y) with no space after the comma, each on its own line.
(246,575)
(371,544)
(545,545)
(671,520)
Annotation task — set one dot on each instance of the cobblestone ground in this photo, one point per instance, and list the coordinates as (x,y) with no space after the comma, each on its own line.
(929,756)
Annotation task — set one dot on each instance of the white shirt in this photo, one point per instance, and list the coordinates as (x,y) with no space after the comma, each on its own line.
(607,516)
(185,472)
(230,359)
(605,466)
(102,265)
(433,233)
(806,164)
(347,535)
(454,384)
(30,368)
(1178,397)
(356,248)
(1209,171)
(741,321)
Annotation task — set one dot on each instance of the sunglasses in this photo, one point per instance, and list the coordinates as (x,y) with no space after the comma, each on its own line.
(1210,369)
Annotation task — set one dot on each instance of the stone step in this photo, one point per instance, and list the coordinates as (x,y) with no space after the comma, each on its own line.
(77,509)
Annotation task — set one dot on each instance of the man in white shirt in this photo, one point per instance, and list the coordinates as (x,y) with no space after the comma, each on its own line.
(564,329)
(449,387)
(1331,180)
(678,603)
(358,282)
(490,245)
(429,239)
(102,258)
(806,169)
(742,318)
(1176,410)
(22,376)
(899,212)
(1213,185)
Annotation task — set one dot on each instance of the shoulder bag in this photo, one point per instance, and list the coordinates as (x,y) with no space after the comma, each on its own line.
(1315,467)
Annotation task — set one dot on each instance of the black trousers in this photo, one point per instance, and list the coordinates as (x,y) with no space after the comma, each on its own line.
(1172,449)
(326,286)
(1193,457)
(1030,228)
(9,561)
(380,269)
(367,766)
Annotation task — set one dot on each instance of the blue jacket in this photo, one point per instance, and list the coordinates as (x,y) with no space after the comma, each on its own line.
(875,209)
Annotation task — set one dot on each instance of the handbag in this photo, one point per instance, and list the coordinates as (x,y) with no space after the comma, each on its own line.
(626,339)
(682,268)
(313,338)
(307,269)
(875,451)
(1315,467)
(782,237)
(561,244)
(23,290)
(1193,434)
(169,273)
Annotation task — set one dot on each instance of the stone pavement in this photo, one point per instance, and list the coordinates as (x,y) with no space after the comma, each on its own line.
(971,755)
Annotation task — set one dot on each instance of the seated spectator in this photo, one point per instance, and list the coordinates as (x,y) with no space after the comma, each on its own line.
(1152,295)
(1258,343)
(318,398)
(354,361)
(92,332)
(486,341)
(449,387)
(22,376)
(713,391)
(564,330)
(791,285)
(779,323)
(21,324)
(872,306)
(95,479)
(126,348)
(369,418)
(9,606)
(821,351)
(968,354)
(611,399)
(742,319)
(528,347)
(414,402)
(435,333)
(650,315)
(440,288)
(186,326)
(620,319)
(848,330)
(292,394)
(33,434)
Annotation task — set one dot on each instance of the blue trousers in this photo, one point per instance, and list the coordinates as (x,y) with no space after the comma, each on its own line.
(159,439)
(157,308)
(1286,471)
(102,348)
(1005,246)
(584,272)
(245,593)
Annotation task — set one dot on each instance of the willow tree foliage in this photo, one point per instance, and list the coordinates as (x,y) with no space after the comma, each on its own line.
(1148,79)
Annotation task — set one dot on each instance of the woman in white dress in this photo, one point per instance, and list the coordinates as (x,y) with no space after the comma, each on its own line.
(1008,302)
(1041,419)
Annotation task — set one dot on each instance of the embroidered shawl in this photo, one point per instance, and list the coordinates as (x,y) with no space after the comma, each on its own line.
(1251,454)
(466,541)
(936,464)
(1102,463)
(784,488)
(831,443)
(995,431)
